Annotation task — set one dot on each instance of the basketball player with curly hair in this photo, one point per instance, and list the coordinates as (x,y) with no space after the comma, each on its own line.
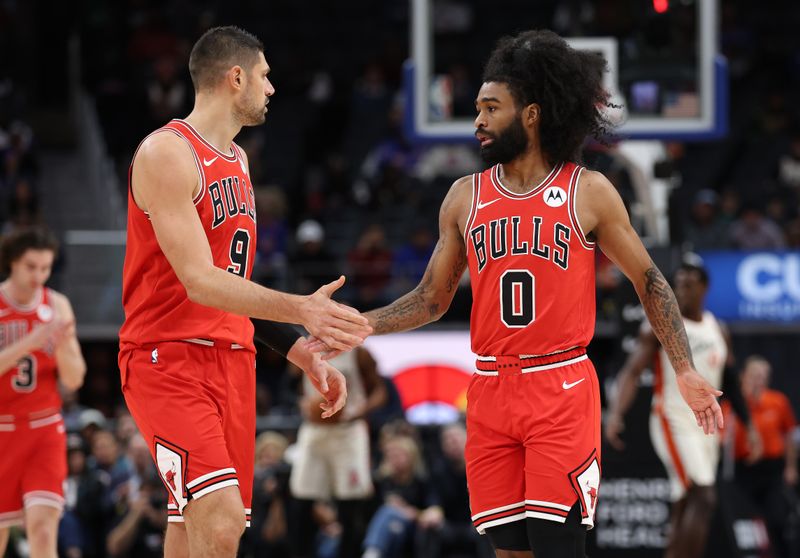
(527,229)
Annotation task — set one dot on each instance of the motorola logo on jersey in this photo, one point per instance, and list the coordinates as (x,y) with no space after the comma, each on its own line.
(231,197)
(555,196)
(503,238)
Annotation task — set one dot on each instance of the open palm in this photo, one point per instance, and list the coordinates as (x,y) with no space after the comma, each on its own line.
(702,399)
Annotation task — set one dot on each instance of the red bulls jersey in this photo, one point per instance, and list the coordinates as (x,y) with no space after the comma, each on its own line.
(530,265)
(157,307)
(32,385)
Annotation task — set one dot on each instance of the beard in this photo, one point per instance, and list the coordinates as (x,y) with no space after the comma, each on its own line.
(250,114)
(507,146)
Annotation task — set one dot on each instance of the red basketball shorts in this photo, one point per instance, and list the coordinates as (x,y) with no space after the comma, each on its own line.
(195,406)
(33,465)
(533,438)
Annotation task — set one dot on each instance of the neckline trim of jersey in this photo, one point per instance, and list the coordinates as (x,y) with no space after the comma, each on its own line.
(231,158)
(37,300)
(495,176)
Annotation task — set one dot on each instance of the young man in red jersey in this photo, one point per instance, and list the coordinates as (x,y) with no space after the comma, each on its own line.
(38,349)
(186,347)
(527,228)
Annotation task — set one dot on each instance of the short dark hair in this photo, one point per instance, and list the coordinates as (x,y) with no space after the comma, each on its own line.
(219,49)
(701,271)
(16,243)
(540,67)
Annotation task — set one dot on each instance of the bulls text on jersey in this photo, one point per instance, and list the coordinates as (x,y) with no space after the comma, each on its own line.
(504,240)
(231,197)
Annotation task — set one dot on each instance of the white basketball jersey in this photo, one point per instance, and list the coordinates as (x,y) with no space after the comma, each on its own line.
(709,352)
(347,364)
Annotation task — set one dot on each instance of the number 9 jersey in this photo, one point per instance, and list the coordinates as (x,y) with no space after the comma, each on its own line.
(531,266)
(29,390)
(157,307)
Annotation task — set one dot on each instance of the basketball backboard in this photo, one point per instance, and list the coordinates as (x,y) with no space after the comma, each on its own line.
(663,62)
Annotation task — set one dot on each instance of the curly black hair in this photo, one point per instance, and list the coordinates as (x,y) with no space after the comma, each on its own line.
(540,67)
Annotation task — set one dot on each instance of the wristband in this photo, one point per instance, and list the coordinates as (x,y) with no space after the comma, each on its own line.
(277,336)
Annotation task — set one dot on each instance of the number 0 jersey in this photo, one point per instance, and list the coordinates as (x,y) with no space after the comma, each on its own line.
(29,390)
(157,307)
(530,265)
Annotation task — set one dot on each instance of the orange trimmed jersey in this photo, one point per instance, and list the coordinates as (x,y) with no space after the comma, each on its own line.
(31,387)
(773,417)
(157,307)
(531,266)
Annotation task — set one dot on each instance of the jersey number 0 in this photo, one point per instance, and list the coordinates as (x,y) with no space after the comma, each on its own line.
(517,298)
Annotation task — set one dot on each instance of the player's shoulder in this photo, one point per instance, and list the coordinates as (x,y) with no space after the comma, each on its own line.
(594,183)
(58,300)
(164,147)
(459,196)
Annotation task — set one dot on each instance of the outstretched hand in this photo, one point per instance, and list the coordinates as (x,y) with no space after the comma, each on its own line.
(338,326)
(326,379)
(702,399)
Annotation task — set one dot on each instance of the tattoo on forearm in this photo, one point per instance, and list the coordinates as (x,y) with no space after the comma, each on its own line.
(665,318)
(419,306)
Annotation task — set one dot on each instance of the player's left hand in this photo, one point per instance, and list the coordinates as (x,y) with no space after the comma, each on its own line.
(702,399)
(318,346)
(326,379)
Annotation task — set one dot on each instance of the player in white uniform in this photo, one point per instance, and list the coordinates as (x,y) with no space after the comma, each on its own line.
(689,456)
(333,456)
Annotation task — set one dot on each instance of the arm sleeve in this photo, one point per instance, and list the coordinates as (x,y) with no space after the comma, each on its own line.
(277,336)
(733,391)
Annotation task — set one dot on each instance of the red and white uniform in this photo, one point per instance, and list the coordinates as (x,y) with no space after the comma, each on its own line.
(689,456)
(533,407)
(32,439)
(188,370)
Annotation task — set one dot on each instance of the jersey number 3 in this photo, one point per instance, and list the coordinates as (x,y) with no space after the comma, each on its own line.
(240,250)
(517,298)
(25,378)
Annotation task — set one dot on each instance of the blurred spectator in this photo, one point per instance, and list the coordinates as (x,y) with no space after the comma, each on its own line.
(763,477)
(407,498)
(142,466)
(332,456)
(729,204)
(705,230)
(789,166)
(383,180)
(451,533)
(23,205)
(125,429)
(139,521)
(71,410)
(167,95)
(754,231)
(370,264)
(109,460)
(82,531)
(273,232)
(312,265)
(90,422)
(369,107)
(268,532)
(411,259)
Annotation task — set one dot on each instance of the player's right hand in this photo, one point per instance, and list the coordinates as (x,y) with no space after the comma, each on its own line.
(612,429)
(339,326)
(52,332)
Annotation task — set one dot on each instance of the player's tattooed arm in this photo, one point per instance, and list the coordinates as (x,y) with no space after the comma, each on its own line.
(665,318)
(432,297)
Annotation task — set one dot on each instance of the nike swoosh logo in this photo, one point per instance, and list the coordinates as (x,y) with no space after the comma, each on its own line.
(208,162)
(565,385)
(482,205)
